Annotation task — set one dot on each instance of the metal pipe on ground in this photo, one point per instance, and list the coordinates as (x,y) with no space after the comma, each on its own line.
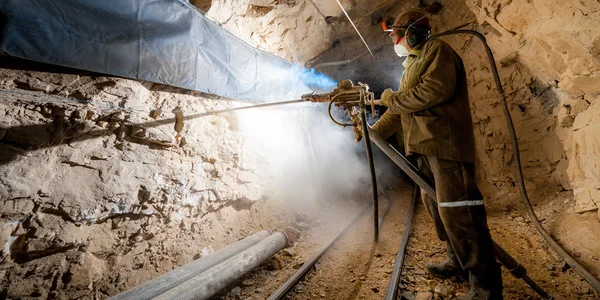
(211,281)
(163,283)
(392,292)
(412,172)
(289,284)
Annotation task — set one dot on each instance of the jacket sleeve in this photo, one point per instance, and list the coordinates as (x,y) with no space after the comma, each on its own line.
(388,124)
(436,84)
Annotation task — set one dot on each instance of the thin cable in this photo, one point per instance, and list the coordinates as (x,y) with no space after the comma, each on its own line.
(347,61)
(360,35)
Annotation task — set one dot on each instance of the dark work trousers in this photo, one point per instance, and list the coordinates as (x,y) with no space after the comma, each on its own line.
(460,220)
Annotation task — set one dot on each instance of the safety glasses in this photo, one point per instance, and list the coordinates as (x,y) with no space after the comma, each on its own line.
(388,27)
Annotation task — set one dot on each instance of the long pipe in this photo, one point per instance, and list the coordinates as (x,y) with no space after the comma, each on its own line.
(210,282)
(392,292)
(593,281)
(161,284)
(363,116)
(412,172)
(287,286)
(216,112)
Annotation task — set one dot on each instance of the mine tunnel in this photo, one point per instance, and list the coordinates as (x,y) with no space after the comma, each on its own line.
(213,149)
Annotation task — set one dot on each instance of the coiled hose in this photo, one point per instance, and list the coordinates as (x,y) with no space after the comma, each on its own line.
(593,281)
(518,168)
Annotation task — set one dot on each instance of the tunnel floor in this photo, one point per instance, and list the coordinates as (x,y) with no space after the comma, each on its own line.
(355,268)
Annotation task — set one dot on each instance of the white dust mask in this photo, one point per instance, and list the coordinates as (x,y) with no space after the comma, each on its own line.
(400,50)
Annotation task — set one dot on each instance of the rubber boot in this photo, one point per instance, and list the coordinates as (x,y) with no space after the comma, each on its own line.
(486,286)
(448,269)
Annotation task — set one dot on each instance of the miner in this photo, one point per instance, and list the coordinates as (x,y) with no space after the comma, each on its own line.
(432,110)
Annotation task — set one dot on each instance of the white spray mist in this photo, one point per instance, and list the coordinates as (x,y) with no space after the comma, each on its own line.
(312,161)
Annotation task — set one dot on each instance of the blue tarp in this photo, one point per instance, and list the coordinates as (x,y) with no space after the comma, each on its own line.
(163,41)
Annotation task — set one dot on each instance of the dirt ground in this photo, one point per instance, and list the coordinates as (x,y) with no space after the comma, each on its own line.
(355,268)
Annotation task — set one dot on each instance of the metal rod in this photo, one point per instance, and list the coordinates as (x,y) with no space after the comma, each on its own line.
(537,288)
(387,208)
(211,113)
(215,112)
(593,281)
(401,161)
(392,292)
(289,284)
(518,271)
(412,172)
(161,284)
(365,126)
(210,282)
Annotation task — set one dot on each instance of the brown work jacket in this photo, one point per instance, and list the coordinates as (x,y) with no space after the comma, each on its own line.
(432,105)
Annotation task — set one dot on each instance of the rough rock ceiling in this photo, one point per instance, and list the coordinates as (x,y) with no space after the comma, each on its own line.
(297,30)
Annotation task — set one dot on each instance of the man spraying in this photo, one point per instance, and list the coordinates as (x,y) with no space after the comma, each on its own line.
(432,109)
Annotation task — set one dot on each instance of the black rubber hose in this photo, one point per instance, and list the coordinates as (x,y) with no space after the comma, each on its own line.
(392,292)
(593,281)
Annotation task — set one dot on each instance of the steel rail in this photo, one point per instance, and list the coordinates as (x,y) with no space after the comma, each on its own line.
(392,292)
(291,282)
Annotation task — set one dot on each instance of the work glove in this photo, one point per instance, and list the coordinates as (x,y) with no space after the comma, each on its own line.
(358,134)
(386,96)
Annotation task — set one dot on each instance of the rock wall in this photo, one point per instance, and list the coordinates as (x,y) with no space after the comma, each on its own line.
(548,53)
(98,195)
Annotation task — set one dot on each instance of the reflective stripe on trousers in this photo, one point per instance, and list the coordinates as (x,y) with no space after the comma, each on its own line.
(461,203)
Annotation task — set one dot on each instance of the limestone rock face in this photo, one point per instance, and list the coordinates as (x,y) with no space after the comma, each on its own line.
(105,174)
(552,46)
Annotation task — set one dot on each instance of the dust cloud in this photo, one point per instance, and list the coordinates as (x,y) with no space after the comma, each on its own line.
(314,164)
